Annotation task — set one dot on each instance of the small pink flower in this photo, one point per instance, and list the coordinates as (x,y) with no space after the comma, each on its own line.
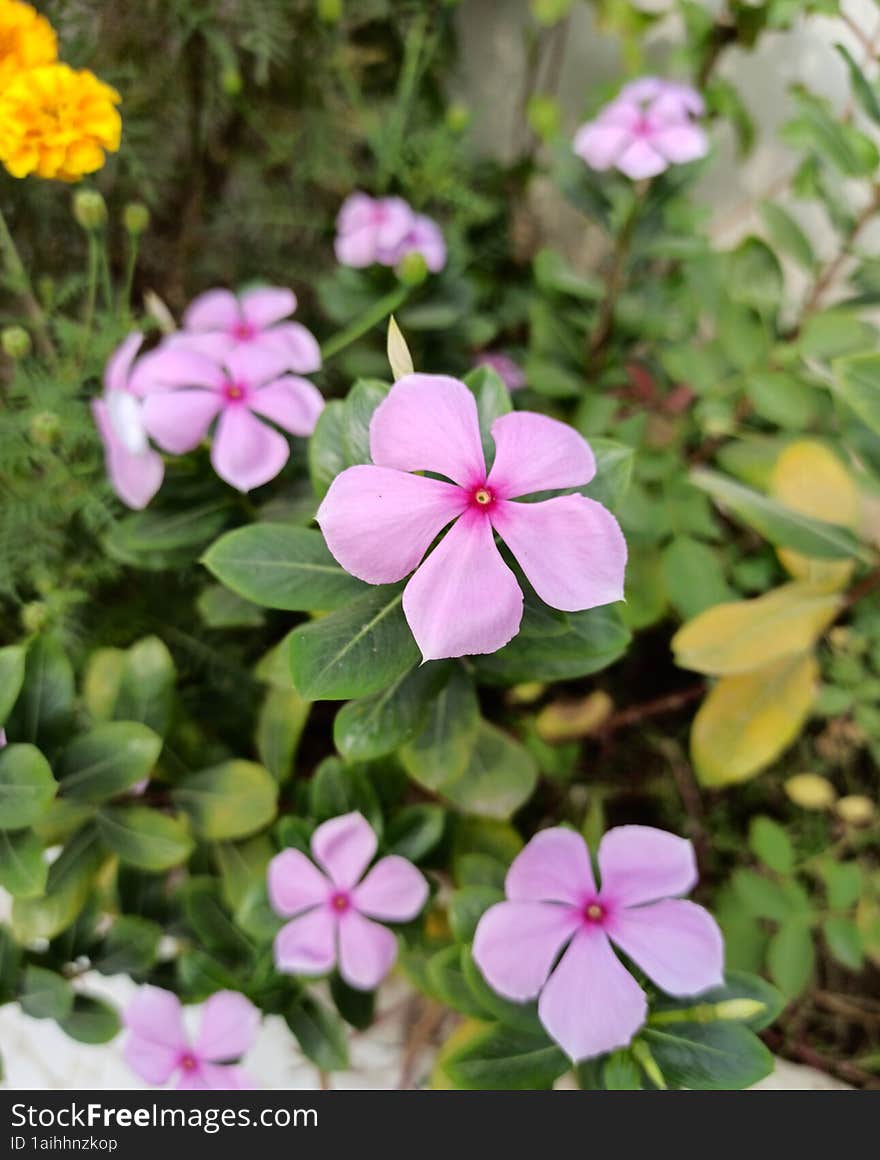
(331,912)
(384,230)
(379,519)
(645,130)
(189,390)
(555,914)
(134,468)
(510,372)
(425,238)
(218,323)
(158,1048)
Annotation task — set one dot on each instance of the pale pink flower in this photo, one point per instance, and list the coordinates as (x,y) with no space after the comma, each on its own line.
(510,372)
(553,935)
(647,128)
(135,470)
(158,1047)
(189,390)
(379,519)
(383,231)
(332,908)
(218,323)
(426,238)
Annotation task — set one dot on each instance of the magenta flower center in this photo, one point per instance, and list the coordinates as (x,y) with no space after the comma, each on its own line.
(593,912)
(482,497)
(244,331)
(340,902)
(234,392)
(643,127)
(188,1062)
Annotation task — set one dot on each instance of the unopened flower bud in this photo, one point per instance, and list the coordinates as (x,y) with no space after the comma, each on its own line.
(458,117)
(34,616)
(90,209)
(856,810)
(230,81)
(810,791)
(16,342)
(330,11)
(739,1008)
(45,428)
(526,693)
(136,218)
(412,269)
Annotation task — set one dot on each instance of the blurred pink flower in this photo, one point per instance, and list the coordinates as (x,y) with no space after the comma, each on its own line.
(158,1048)
(134,468)
(510,372)
(331,909)
(379,519)
(188,390)
(384,230)
(647,128)
(551,936)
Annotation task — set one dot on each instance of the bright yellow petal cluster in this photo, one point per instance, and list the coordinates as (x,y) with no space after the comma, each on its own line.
(27,40)
(57,123)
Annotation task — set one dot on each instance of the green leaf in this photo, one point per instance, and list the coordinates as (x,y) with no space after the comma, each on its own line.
(146,686)
(500,776)
(845,942)
(755,277)
(614,468)
(220,607)
(230,800)
(277,566)
(844,882)
(242,865)
(10,960)
(12,667)
(357,1008)
(446,982)
(44,707)
(493,401)
(467,906)
(441,749)
(45,994)
(502,1058)
(415,831)
(863,90)
(782,525)
(787,235)
(143,837)
(283,716)
(736,985)
(360,403)
(520,1016)
(337,789)
(693,576)
(327,455)
(212,923)
(91,1021)
(23,869)
(772,845)
(818,130)
(165,540)
(791,956)
(130,947)
(108,760)
(373,726)
(858,379)
(26,786)
(760,897)
(355,651)
(708,1056)
(319,1032)
(782,398)
(70,881)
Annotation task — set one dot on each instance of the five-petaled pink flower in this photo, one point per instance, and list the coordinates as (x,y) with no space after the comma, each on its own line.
(135,470)
(158,1047)
(331,909)
(510,372)
(189,390)
(379,519)
(218,323)
(647,128)
(384,230)
(555,914)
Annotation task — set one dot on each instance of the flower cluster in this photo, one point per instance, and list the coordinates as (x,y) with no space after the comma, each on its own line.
(55,121)
(385,230)
(236,363)
(648,127)
(552,937)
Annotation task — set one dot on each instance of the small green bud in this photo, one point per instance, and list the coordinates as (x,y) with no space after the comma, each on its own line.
(739,1009)
(136,218)
(34,616)
(230,81)
(16,342)
(412,269)
(330,11)
(458,116)
(544,115)
(90,210)
(45,428)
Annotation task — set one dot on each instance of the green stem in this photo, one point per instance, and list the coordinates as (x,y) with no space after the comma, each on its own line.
(367,321)
(21,285)
(91,296)
(106,282)
(131,258)
(614,280)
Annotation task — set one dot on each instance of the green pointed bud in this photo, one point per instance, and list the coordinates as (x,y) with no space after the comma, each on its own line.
(739,1009)
(136,218)
(90,210)
(45,428)
(458,117)
(330,11)
(642,1055)
(412,270)
(16,342)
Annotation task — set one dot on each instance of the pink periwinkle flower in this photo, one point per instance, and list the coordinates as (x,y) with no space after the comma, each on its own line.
(135,470)
(379,519)
(189,390)
(553,935)
(332,909)
(158,1046)
(384,230)
(218,323)
(648,127)
(510,372)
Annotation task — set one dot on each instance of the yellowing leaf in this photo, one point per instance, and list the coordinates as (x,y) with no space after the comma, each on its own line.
(398,352)
(747,721)
(811,479)
(748,634)
(563,721)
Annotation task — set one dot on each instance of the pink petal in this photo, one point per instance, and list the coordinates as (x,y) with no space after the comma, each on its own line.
(246,453)
(119,363)
(641,159)
(176,363)
(393,891)
(307,945)
(298,346)
(179,420)
(357,248)
(214,345)
(681,143)
(429,423)
(216,1077)
(153,1062)
(600,145)
(643,89)
(516,944)
(366,951)
(292,403)
(536,453)
(378,523)
(554,867)
(426,238)
(641,864)
(265,305)
(213,310)
(345,846)
(463,600)
(135,478)
(676,943)
(395,223)
(155,1020)
(591,1003)
(571,548)
(295,883)
(356,212)
(256,363)
(228,1028)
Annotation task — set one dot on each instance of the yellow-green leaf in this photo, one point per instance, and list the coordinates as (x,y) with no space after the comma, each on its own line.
(398,352)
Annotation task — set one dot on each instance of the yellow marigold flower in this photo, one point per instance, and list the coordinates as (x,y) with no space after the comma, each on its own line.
(27,40)
(57,123)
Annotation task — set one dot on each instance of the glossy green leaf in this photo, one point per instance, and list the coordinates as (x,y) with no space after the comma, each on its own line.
(708,1056)
(70,881)
(91,1021)
(319,1033)
(282,718)
(130,947)
(499,777)
(23,868)
(502,1058)
(143,837)
(44,706)
(45,994)
(230,800)
(772,845)
(12,667)
(791,956)
(107,760)
(373,726)
(441,749)
(26,786)
(146,685)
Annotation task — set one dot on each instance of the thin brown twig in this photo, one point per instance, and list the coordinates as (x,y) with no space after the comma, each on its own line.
(420,1036)
(635,714)
(829,275)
